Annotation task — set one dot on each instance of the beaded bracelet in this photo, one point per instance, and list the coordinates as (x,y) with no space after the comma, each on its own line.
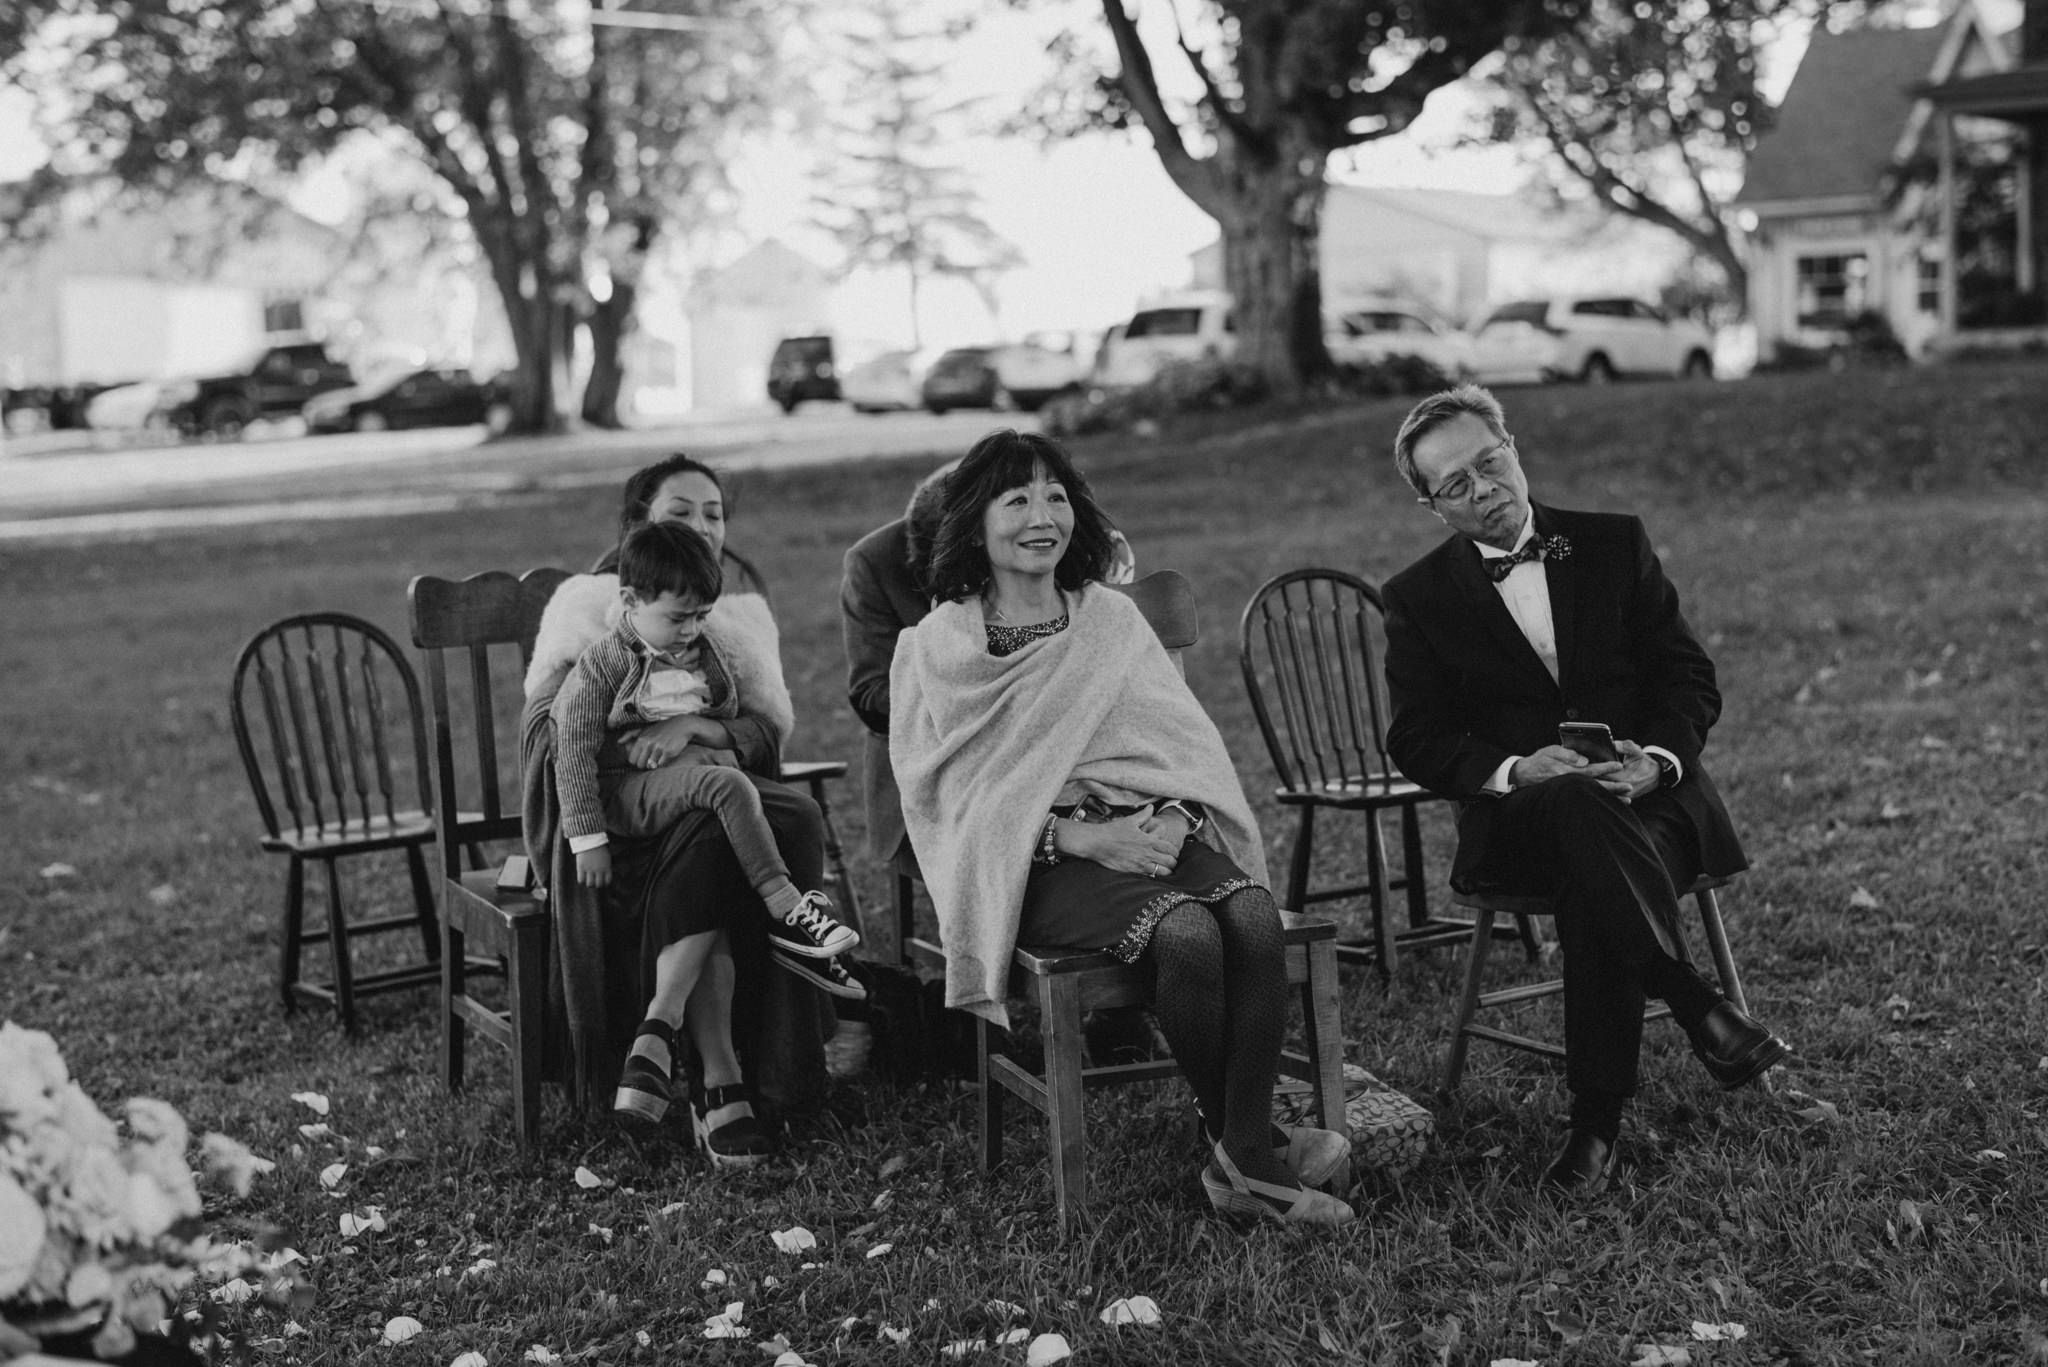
(1046,853)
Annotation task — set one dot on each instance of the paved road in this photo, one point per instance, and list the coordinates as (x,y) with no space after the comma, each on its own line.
(84,495)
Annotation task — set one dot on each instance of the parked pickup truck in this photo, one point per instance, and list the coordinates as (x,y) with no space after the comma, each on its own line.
(276,384)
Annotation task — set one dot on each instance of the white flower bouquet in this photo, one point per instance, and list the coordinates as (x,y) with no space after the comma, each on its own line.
(99,1223)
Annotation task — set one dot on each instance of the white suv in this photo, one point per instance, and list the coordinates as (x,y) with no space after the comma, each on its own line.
(1592,339)
(1190,328)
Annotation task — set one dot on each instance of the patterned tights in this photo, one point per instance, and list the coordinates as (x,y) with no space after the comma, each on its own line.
(1220,996)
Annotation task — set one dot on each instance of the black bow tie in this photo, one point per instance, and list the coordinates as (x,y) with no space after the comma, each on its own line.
(1499,567)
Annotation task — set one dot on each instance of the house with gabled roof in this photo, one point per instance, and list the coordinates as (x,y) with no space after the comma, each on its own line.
(1843,216)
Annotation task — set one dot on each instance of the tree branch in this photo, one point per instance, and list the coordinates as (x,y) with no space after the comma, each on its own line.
(1212,95)
(1140,84)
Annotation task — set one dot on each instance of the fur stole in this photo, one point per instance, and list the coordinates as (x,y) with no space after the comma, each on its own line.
(740,629)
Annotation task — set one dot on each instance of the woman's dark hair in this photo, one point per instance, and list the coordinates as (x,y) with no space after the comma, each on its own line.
(1001,461)
(667,557)
(646,482)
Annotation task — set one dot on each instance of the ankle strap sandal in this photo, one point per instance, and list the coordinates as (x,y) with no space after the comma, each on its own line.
(646,1090)
(739,1142)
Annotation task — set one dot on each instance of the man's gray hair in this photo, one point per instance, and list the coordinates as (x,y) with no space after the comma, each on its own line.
(1436,410)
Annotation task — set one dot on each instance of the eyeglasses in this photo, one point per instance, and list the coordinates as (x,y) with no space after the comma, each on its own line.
(1493,462)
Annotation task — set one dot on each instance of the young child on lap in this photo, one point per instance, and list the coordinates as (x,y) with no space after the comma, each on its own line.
(653,666)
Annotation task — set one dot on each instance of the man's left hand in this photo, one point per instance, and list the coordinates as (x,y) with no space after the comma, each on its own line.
(1638,775)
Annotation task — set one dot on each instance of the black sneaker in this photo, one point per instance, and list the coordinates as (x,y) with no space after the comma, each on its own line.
(829,975)
(810,930)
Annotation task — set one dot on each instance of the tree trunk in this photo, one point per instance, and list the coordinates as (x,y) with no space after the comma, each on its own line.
(611,323)
(1272,242)
(525,292)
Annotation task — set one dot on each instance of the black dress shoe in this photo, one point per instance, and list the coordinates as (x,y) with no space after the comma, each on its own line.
(1735,1048)
(1583,1165)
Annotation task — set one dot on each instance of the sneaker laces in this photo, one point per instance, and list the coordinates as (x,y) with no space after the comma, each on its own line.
(811,915)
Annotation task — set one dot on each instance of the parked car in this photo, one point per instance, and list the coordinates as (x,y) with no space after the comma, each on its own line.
(964,377)
(128,407)
(884,383)
(1191,328)
(434,397)
(802,368)
(274,384)
(1369,334)
(1041,366)
(1593,339)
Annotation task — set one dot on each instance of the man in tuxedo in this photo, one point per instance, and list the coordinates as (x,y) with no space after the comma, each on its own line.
(1525,618)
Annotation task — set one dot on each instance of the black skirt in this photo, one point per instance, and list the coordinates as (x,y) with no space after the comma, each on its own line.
(1080,904)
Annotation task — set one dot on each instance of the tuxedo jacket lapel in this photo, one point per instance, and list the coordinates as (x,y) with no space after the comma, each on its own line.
(1483,600)
(1563,584)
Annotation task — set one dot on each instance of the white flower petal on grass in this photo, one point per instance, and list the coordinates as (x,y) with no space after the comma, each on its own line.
(1990,1155)
(715,1277)
(1511,1362)
(1132,1310)
(402,1327)
(234,1292)
(373,1151)
(1862,899)
(368,1220)
(312,1101)
(1006,1310)
(1718,1333)
(600,1231)
(893,1166)
(893,1334)
(643,1338)
(587,1179)
(771,1281)
(1047,1349)
(1660,1355)
(58,871)
(480,1267)
(317,1130)
(960,1348)
(672,1208)
(1012,1336)
(879,1249)
(541,1353)
(331,1175)
(471,1359)
(792,1358)
(795,1239)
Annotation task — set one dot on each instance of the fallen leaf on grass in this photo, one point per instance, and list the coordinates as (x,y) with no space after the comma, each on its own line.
(541,1353)
(1660,1355)
(317,1130)
(960,1348)
(795,1239)
(1047,1349)
(1897,1007)
(331,1175)
(879,1250)
(1496,1151)
(402,1327)
(726,1324)
(893,1334)
(1703,1332)
(1862,900)
(312,1101)
(1011,1337)
(587,1179)
(54,871)
(471,1359)
(234,1292)
(479,1268)
(600,1231)
(1892,811)
(715,1277)
(1131,1310)
(791,1359)
(643,1338)
(368,1220)
(1006,1310)
(1989,1155)
(1511,1362)
(893,1166)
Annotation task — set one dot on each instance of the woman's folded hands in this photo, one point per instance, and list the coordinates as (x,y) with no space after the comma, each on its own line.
(1141,843)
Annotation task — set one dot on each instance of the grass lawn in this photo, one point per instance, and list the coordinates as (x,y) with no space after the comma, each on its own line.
(1865,555)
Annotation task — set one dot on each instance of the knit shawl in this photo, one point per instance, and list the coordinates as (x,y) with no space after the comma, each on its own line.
(740,630)
(982,747)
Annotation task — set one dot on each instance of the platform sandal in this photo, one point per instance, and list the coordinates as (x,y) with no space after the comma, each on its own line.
(646,1090)
(738,1143)
(1245,1198)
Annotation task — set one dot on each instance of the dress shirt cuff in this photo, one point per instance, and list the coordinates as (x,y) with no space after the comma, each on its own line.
(578,844)
(1498,782)
(1676,767)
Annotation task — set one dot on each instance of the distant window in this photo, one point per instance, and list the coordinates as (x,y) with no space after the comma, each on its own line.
(284,315)
(1832,288)
(1166,323)
(1927,285)
(1533,312)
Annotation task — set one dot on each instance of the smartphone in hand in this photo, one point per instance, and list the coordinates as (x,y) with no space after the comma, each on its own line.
(1591,739)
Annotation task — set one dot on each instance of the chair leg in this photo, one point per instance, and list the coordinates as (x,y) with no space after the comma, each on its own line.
(1531,946)
(454,1029)
(292,940)
(1324,1029)
(338,947)
(423,901)
(1297,867)
(1059,1000)
(991,1097)
(1379,895)
(526,999)
(1468,1000)
(835,857)
(906,916)
(1411,866)
(1717,945)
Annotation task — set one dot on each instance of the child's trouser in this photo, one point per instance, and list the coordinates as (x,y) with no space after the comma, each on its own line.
(642,802)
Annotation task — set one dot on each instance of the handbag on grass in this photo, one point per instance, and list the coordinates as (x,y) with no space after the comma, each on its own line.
(1390,1131)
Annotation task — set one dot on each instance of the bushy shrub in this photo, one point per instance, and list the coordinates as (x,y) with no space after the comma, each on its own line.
(1399,373)
(1866,339)
(1205,386)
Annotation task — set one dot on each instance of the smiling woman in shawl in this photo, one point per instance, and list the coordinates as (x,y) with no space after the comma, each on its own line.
(1061,786)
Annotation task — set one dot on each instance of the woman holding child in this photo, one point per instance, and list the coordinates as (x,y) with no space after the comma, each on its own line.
(667,878)
(1063,787)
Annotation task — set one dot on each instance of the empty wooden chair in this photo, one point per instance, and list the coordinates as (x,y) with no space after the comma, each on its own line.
(1308,646)
(326,714)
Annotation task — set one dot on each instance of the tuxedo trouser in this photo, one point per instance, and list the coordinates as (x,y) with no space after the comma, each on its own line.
(1615,869)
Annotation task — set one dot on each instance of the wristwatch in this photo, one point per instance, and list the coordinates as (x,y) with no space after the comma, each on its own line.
(1667,770)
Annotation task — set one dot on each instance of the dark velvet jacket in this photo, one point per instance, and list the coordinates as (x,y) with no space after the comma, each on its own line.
(1468,690)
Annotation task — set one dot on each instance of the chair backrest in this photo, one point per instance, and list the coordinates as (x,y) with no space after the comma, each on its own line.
(462,627)
(1168,601)
(326,713)
(1309,646)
